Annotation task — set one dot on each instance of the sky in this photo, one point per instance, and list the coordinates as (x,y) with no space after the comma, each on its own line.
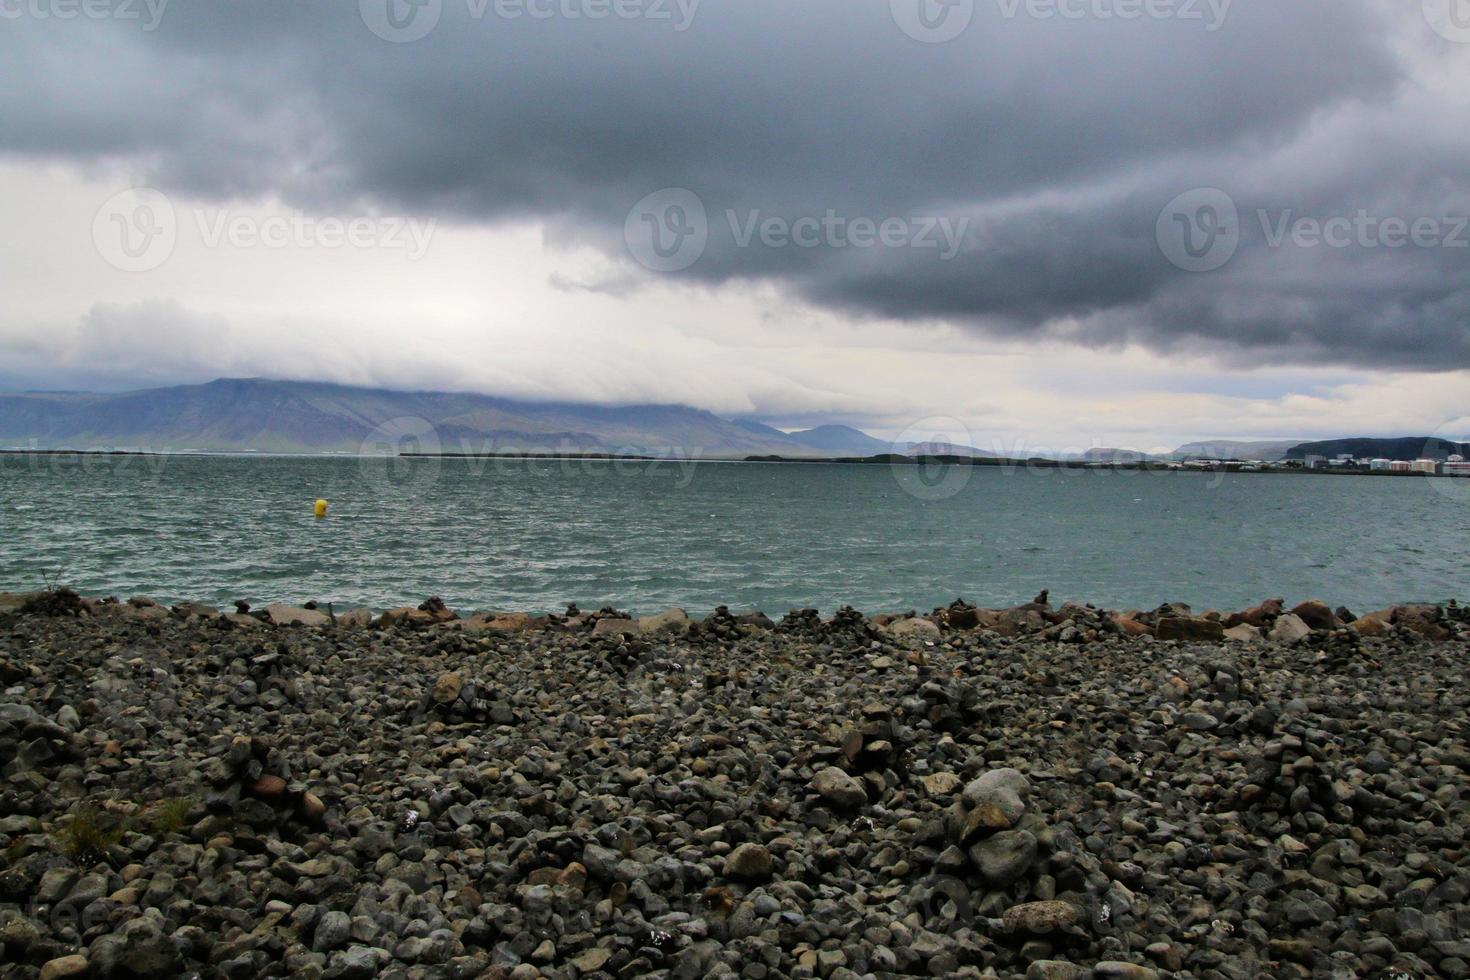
(1028,223)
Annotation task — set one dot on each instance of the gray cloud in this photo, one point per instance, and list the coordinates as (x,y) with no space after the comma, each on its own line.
(1056,142)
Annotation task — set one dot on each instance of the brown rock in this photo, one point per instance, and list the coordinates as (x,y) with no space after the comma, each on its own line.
(1192,630)
(1041,918)
(1316,614)
(269,788)
(1260,616)
(447,688)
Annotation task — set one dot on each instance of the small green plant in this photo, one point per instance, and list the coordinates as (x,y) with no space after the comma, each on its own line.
(86,837)
(169,815)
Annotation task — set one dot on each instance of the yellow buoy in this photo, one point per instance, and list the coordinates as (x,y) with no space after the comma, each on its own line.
(321,508)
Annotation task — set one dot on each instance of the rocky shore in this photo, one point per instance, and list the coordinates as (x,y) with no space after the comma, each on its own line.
(1032,792)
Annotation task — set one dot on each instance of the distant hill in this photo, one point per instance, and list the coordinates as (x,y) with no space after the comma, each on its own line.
(1269,451)
(1115,456)
(290,416)
(841,440)
(1421,447)
(941,449)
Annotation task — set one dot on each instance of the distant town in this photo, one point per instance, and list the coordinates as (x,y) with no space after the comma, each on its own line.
(1453,466)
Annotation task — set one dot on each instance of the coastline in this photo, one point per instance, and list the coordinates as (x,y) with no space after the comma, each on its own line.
(842,797)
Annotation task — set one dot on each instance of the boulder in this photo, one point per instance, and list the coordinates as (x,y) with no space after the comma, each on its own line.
(447,688)
(284,615)
(839,789)
(1316,614)
(1189,629)
(751,862)
(1261,616)
(914,629)
(1005,857)
(668,621)
(616,627)
(1042,918)
(1374,623)
(1244,633)
(1289,628)
(1130,625)
(996,800)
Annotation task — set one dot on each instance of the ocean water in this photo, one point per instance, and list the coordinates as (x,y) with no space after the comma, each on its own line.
(537,534)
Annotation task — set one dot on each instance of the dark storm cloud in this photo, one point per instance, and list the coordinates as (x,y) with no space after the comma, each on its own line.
(1048,145)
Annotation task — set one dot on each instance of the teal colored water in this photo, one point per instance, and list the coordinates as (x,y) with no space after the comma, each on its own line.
(534,535)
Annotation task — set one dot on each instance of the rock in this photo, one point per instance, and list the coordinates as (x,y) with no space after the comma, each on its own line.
(668,621)
(1316,614)
(941,783)
(1374,623)
(1054,970)
(1244,633)
(1289,628)
(354,963)
(1042,918)
(996,800)
(749,861)
(616,627)
(333,931)
(914,629)
(1004,857)
(1261,617)
(65,967)
(839,789)
(1118,970)
(283,615)
(447,688)
(1189,630)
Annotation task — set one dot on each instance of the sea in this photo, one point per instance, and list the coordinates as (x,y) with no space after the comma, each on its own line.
(538,534)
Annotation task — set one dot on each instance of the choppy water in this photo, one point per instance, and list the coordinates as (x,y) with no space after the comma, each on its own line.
(535,535)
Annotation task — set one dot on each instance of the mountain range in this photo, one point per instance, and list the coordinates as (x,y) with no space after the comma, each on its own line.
(292,416)
(253,414)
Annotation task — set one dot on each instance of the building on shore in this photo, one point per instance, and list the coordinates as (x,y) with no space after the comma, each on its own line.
(1456,466)
(1426,466)
(1401,466)
(1381,465)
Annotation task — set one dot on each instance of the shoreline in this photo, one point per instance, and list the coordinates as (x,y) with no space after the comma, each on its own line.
(1007,463)
(838,798)
(1071,622)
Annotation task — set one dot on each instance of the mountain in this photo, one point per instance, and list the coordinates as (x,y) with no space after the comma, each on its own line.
(1232,449)
(292,416)
(1421,447)
(840,440)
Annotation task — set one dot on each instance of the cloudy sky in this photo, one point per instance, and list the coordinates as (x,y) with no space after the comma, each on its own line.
(1054,222)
